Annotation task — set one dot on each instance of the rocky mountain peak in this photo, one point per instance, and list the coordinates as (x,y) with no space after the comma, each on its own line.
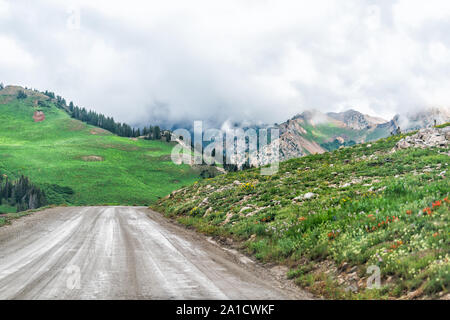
(356,120)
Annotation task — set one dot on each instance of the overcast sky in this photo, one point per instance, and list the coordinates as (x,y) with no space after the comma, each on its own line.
(230,59)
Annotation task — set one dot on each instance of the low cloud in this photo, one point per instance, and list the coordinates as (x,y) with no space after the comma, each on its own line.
(178,61)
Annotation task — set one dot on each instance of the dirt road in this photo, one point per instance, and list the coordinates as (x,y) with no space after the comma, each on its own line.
(123,253)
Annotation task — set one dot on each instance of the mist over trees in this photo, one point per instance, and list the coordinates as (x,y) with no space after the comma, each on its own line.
(108,123)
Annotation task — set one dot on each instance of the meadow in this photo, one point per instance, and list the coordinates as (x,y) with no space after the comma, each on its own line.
(335,218)
(78,164)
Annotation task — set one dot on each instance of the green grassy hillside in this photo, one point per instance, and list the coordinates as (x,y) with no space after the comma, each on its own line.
(325,134)
(330,217)
(83,165)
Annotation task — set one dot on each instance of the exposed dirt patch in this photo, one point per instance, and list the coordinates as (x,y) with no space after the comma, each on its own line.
(38,116)
(99,131)
(92,158)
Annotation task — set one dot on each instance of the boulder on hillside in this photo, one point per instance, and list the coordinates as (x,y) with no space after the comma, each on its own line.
(426,138)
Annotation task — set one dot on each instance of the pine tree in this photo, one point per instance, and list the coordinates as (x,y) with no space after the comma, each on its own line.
(156,133)
(21,95)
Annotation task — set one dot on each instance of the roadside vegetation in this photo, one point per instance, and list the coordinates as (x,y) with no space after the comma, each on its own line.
(8,216)
(20,195)
(335,218)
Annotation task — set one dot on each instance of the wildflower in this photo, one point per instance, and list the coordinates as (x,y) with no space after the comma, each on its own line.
(435,234)
(436,204)
(408,212)
(446,200)
(301,219)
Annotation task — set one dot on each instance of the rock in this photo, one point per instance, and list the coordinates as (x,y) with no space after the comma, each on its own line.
(403,144)
(236,183)
(244,208)
(228,217)
(309,195)
(208,211)
(415,294)
(353,269)
(352,288)
(426,138)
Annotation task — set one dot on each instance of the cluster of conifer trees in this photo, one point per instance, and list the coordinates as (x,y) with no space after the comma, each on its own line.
(21,193)
(107,123)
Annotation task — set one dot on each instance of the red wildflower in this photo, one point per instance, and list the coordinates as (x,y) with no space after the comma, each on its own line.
(437,204)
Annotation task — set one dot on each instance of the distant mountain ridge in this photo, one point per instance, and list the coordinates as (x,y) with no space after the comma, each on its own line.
(315,132)
(356,120)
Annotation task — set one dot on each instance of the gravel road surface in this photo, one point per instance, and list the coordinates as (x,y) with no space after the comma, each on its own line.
(124,253)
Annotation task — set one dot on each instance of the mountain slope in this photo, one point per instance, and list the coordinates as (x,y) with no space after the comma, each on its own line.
(331,217)
(356,120)
(80,164)
(315,132)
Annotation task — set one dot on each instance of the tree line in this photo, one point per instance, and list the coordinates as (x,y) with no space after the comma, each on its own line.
(108,123)
(21,193)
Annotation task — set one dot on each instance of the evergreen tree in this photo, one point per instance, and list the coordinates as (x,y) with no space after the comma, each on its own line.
(21,95)
(156,133)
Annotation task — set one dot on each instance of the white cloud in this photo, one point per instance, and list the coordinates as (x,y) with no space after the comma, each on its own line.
(13,56)
(4,8)
(178,61)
